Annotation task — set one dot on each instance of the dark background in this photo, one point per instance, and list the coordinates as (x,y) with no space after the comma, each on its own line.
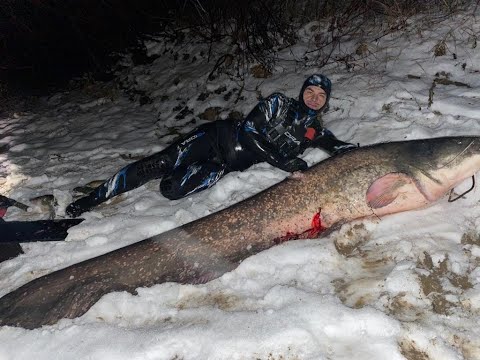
(44,43)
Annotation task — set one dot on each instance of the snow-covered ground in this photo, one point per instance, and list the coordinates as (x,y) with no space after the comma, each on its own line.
(404,286)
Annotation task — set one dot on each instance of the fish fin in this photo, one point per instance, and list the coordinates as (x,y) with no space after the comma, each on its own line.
(385,189)
(32,306)
(205,278)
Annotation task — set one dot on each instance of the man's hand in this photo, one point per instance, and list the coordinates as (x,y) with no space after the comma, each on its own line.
(296,164)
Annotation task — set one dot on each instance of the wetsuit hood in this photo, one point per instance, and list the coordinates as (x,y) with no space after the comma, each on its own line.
(322,82)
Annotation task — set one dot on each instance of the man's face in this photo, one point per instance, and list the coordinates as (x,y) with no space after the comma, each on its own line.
(314,97)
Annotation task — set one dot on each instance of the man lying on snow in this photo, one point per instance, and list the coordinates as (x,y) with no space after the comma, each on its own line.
(277,130)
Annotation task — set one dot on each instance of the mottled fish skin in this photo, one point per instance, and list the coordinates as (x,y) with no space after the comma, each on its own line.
(370,181)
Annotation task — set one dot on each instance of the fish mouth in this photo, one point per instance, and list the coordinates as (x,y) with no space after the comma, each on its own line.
(459,154)
(433,175)
(455,169)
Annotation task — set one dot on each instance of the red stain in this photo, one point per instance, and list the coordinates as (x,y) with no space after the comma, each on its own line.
(2,212)
(317,226)
(311,233)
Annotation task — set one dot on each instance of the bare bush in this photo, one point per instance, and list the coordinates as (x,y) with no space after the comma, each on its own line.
(258,29)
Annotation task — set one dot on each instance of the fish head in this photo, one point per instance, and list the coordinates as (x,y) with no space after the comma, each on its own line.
(409,175)
(440,164)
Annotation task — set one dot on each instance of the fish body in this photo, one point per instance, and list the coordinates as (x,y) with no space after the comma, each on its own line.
(372,181)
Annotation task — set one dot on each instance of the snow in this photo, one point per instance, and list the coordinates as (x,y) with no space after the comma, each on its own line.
(404,286)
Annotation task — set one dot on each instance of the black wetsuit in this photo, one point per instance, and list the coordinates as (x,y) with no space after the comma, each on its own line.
(277,130)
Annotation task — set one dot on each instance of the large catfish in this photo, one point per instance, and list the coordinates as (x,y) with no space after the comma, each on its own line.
(370,181)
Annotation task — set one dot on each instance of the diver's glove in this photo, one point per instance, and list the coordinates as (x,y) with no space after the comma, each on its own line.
(340,149)
(295,164)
